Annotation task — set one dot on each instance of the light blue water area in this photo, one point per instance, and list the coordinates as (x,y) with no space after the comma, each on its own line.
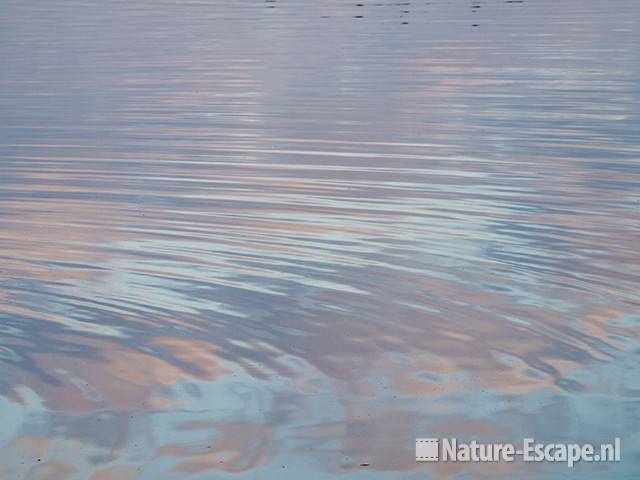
(284,239)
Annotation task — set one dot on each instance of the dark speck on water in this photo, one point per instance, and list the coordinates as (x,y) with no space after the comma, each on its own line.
(303,243)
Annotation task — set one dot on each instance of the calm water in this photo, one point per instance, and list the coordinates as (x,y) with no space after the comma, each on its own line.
(278,240)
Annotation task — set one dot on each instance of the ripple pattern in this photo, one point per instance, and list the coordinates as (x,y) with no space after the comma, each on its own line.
(285,238)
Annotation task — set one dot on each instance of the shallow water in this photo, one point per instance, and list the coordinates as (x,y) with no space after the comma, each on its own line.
(283,239)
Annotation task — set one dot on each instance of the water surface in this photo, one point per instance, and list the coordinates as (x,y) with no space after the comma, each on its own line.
(283,239)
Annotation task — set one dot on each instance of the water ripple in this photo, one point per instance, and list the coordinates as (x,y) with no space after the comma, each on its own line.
(282,238)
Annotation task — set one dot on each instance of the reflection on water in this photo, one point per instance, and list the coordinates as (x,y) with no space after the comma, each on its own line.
(282,239)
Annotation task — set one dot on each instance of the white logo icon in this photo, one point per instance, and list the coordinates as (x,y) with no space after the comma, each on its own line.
(427,449)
